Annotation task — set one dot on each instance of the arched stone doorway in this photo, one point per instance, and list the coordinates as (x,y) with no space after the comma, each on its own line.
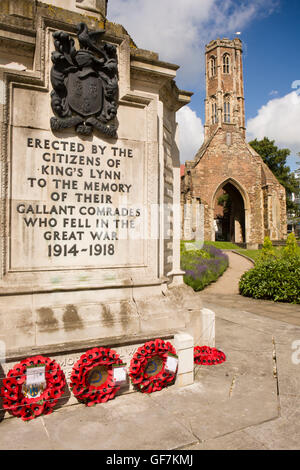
(229,214)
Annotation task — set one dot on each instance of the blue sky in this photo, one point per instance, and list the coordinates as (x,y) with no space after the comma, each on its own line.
(271,57)
(272,54)
(179,29)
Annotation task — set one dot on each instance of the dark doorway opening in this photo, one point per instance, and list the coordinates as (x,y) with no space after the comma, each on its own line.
(229,215)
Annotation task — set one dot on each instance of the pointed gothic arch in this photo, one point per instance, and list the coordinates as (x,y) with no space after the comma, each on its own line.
(230,208)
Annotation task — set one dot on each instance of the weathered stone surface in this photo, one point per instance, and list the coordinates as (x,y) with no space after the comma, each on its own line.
(281,434)
(87,7)
(238,384)
(32,437)
(238,440)
(125,418)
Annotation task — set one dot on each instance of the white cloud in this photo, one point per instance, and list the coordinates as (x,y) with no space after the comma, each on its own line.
(179,29)
(191,133)
(278,120)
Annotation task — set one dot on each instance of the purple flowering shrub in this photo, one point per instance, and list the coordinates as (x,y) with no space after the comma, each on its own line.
(202,266)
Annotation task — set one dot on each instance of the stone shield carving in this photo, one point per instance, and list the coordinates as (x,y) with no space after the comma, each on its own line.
(85,83)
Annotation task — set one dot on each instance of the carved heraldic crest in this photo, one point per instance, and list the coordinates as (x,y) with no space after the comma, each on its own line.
(85,83)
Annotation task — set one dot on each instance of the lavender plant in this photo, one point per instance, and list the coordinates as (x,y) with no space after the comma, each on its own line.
(203,266)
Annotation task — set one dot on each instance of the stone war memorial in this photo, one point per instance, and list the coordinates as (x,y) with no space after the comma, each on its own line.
(90,191)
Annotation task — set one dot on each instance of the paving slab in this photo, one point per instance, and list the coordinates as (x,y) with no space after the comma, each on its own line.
(290,407)
(241,337)
(288,371)
(281,434)
(239,440)
(287,313)
(23,435)
(129,422)
(245,312)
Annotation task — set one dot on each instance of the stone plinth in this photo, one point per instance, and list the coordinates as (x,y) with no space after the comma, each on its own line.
(90,219)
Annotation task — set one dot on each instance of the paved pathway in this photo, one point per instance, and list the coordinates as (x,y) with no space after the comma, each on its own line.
(229,281)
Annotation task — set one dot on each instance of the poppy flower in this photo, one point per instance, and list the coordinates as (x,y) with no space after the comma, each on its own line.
(37,409)
(92,353)
(47,410)
(19,374)
(208,356)
(27,413)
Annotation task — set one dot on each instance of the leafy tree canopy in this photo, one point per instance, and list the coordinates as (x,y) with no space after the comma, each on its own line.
(275,158)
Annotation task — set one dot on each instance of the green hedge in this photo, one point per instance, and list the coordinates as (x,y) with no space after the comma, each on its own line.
(273,279)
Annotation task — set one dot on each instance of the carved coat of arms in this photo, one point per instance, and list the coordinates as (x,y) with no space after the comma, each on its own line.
(85,83)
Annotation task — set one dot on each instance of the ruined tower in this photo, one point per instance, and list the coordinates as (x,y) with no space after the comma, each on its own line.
(224,103)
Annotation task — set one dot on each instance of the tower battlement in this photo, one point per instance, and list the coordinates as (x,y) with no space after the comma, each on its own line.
(224,42)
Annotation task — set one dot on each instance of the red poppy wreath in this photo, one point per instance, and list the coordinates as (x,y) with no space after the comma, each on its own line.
(92,379)
(29,402)
(148,366)
(207,356)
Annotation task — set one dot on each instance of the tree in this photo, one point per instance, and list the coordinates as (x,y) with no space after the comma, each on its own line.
(291,249)
(267,250)
(297,171)
(275,158)
(225,201)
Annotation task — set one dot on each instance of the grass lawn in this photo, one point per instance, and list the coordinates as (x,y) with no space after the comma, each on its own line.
(253,254)
(223,245)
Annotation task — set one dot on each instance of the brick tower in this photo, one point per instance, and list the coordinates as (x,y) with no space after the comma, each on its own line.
(224,103)
(227,181)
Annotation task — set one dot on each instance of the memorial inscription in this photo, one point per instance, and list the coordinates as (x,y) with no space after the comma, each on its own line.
(75,202)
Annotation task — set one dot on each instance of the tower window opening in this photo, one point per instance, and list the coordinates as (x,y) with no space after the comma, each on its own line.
(214,116)
(212,64)
(226,111)
(226,63)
